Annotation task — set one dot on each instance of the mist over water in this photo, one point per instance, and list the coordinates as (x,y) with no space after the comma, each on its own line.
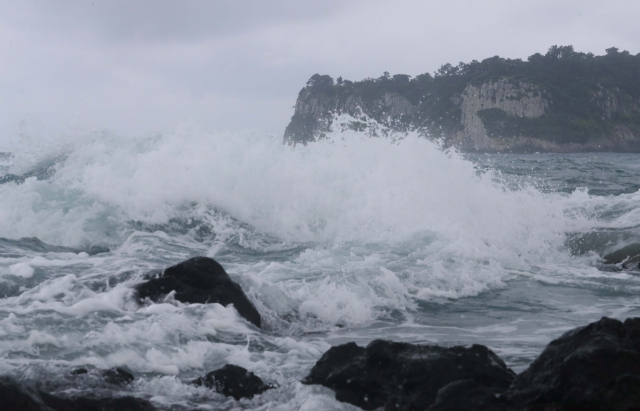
(348,239)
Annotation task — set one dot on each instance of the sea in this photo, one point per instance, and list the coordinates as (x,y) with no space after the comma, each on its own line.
(349,238)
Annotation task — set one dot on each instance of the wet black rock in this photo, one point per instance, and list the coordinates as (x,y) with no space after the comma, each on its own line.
(401,376)
(14,396)
(233,381)
(117,376)
(200,280)
(96,404)
(97,249)
(468,395)
(628,256)
(596,367)
(591,368)
(79,371)
(17,397)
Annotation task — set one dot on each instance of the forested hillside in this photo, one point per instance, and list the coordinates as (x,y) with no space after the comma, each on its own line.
(560,98)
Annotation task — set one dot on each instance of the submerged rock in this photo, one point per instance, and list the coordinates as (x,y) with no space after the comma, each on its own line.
(117,376)
(17,397)
(596,367)
(629,256)
(233,381)
(97,404)
(113,376)
(200,280)
(401,376)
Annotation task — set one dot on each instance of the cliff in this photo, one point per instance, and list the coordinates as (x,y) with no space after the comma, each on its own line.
(559,102)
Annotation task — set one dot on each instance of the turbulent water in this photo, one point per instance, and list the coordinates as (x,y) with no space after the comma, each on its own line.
(347,239)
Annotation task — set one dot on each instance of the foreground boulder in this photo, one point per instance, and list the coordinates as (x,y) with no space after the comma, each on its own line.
(468,395)
(97,404)
(233,381)
(596,367)
(591,368)
(401,376)
(16,397)
(200,280)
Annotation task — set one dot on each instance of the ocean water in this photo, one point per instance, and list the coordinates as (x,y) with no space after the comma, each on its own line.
(347,239)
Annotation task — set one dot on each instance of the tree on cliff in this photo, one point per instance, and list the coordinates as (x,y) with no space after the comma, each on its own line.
(320,81)
(578,87)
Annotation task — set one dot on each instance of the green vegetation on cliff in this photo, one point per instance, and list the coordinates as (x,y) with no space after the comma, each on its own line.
(586,98)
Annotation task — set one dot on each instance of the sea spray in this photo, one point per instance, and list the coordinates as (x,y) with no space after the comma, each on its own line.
(349,238)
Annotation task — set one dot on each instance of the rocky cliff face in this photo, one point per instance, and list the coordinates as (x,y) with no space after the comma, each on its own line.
(523,100)
(515,99)
(315,114)
(507,100)
(561,101)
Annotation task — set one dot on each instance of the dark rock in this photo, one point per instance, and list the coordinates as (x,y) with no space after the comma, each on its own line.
(596,367)
(629,256)
(200,280)
(117,376)
(467,395)
(97,404)
(97,249)
(623,393)
(401,376)
(17,397)
(233,381)
(79,371)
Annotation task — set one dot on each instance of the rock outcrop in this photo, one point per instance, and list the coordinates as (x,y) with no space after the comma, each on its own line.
(592,368)
(315,115)
(233,381)
(18,397)
(596,367)
(117,376)
(563,101)
(400,376)
(628,257)
(514,99)
(199,280)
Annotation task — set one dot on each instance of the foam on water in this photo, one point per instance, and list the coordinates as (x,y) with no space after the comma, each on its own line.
(349,238)
(348,188)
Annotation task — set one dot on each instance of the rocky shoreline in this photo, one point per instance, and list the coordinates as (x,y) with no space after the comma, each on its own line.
(595,367)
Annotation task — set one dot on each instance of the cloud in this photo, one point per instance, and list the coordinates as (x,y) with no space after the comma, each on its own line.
(151,21)
(137,66)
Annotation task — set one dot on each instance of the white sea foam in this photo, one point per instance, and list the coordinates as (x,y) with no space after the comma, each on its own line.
(340,189)
(442,228)
(23,270)
(349,238)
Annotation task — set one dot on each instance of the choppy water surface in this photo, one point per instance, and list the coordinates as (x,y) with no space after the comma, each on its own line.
(348,239)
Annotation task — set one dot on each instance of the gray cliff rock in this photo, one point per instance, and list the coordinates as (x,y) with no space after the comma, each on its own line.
(315,114)
(563,101)
(516,100)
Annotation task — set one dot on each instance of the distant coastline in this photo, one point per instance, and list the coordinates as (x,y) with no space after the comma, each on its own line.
(562,101)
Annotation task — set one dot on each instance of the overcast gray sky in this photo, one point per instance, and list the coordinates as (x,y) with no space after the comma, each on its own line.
(140,66)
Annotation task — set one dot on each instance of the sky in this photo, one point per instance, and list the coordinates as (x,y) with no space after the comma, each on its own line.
(141,66)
